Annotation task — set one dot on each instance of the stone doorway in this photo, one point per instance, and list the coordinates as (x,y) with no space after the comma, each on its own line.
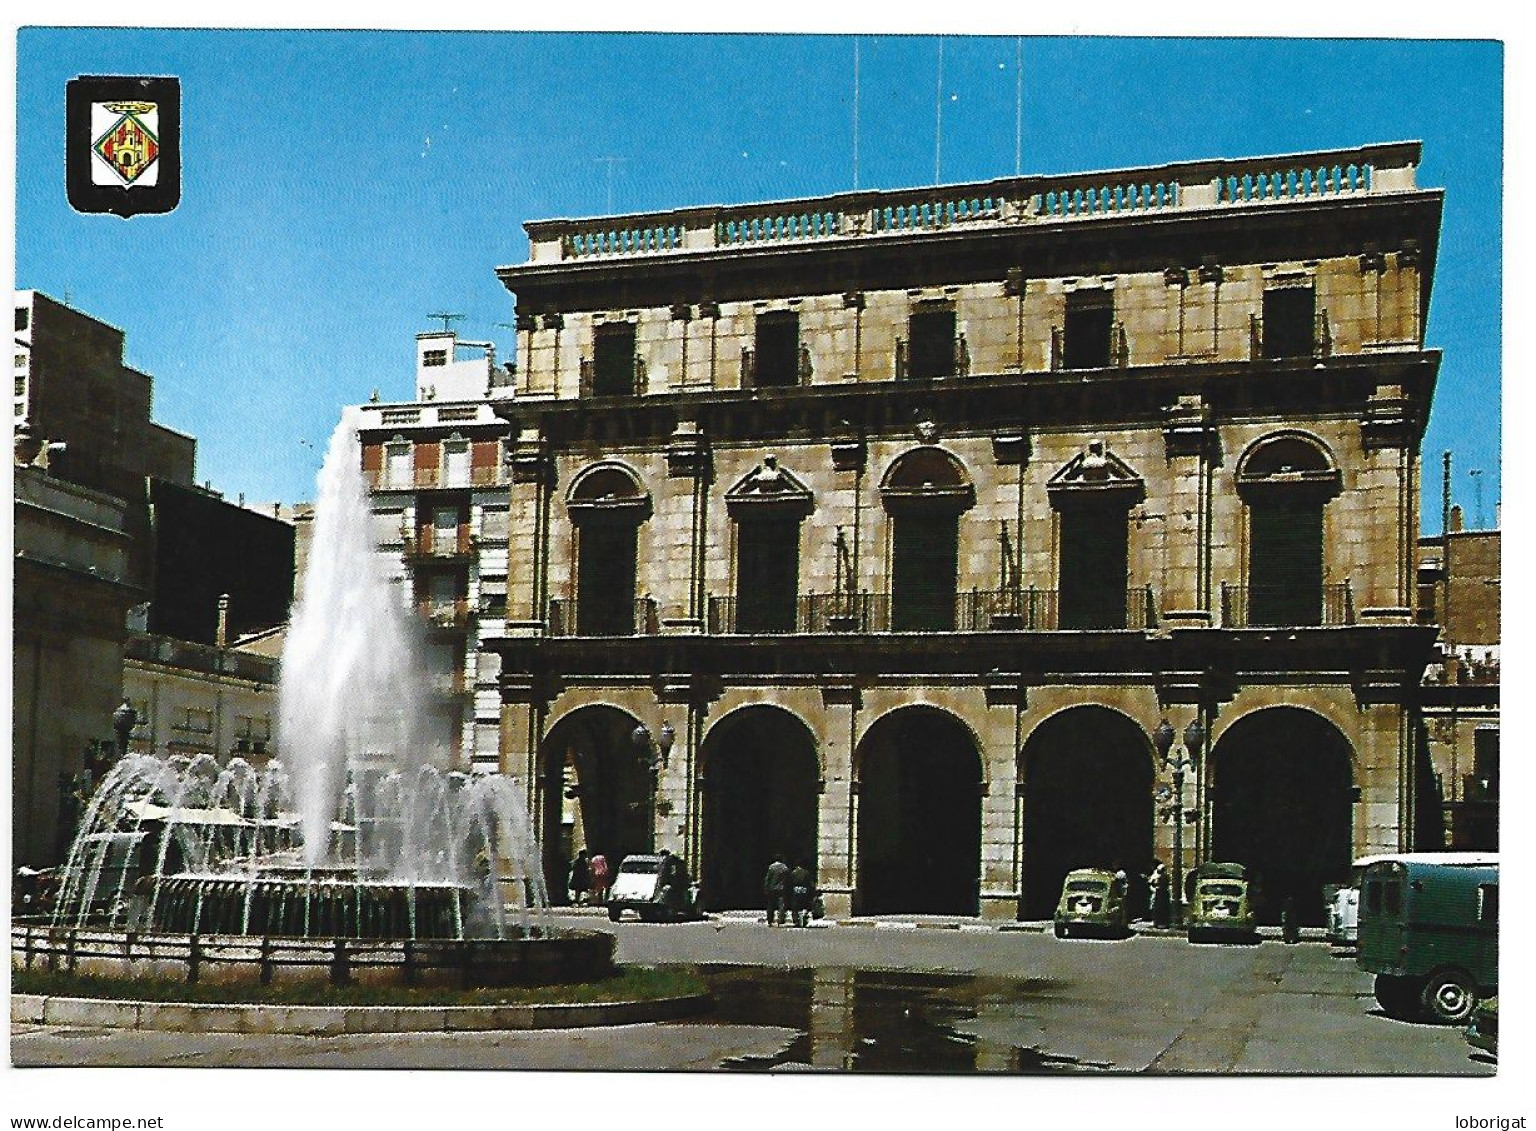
(760,795)
(1283,791)
(919,819)
(1087,775)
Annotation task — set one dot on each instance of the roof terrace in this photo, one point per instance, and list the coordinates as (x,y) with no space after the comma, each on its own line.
(1370,170)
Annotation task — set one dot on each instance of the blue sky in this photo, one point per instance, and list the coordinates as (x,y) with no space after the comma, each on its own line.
(339,186)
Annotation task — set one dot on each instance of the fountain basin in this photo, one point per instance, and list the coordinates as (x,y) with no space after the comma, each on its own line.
(538,956)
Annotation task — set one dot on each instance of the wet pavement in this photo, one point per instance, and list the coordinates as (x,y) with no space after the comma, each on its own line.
(870,1000)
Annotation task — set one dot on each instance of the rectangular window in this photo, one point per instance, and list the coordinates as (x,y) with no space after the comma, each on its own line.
(1094,564)
(1392,898)
(777,348)
(1373,897)
(613,360)
(456,464)
(931,332)
(1090,321)
(434,357)
(399,456)
(23,317)
(926,552)
(767,575)
(21,386)
(1290,316)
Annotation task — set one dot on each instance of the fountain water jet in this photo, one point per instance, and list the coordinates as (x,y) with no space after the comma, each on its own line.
(361,831)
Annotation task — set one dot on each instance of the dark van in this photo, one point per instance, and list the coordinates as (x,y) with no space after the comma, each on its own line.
(1429,932)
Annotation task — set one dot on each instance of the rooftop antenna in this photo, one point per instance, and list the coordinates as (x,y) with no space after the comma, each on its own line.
(938,116)
(1445,493)
(1018,106)
(610,162)
(1477,493)
(855,113)
(446,316)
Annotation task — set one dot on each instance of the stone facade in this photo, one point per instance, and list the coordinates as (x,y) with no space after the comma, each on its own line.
(912,514)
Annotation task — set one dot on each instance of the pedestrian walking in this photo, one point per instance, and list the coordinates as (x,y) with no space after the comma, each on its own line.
(1157,895)
(601,878)
(776,891)
(581,878)
(801,891)
(1290,926)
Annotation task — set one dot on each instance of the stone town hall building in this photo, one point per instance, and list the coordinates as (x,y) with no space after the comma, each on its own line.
(882,529)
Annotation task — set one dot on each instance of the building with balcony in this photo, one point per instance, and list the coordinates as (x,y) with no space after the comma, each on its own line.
(438,490)
(1459,591)
(882,530)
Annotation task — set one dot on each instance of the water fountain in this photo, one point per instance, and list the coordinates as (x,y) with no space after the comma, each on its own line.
(361,837)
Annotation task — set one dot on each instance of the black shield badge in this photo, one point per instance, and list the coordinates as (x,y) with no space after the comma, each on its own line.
(123,144)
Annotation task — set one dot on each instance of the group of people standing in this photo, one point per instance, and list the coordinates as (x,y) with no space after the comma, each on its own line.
(788,890)
(590,879)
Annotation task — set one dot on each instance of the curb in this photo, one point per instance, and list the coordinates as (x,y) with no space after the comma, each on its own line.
(335,1021)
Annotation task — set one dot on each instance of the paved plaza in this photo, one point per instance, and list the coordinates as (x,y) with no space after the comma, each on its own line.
(901,997)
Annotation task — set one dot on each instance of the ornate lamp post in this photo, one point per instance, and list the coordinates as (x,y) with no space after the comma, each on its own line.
(124,719)
(655,750)
(1188,759)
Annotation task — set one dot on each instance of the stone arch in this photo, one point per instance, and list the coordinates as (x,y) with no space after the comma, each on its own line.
(596,790)
(920,780)
(1087,773)
(1282,792)
(760,783)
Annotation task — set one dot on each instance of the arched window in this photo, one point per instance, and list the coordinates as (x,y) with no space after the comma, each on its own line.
(1286,481)
(925,492)
(1092,496)
(607,505)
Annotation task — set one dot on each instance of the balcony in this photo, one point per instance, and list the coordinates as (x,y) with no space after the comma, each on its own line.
(1278,606)
(975,610)
(627,380)
(566,619)
(1242,183)
(449,616)
(428,545)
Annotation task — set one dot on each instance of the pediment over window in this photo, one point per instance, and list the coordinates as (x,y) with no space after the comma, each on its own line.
(1096,473)
(769,490)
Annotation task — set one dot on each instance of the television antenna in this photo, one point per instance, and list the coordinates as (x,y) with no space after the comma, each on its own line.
(447,317)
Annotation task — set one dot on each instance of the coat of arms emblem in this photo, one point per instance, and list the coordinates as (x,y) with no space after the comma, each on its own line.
(128,146)
(123,144)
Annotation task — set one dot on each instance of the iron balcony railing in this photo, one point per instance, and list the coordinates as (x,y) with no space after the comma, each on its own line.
(1023,609)
(454,614)
(428,545)
(566,618)
(1322,340)
(634,380)
(1282,606)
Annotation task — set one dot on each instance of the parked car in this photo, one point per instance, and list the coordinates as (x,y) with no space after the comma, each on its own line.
(1429,931)
(1221,904)
(1092,902)
(655,888)
(1483,1032)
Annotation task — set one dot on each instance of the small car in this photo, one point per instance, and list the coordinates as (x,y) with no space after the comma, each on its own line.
(1092,902)
(655,888)
(1221,904)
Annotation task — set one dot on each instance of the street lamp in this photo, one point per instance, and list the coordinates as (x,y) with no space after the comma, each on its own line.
(654,750)
(124,719)
(1188,759)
